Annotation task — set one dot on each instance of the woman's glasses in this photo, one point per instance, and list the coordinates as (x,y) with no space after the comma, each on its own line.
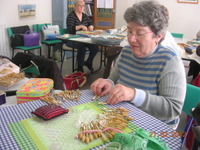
(138,35)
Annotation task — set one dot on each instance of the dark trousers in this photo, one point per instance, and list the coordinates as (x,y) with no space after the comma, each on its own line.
(82,47)
(194,69)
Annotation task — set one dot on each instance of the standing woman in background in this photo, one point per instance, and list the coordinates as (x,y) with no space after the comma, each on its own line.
(77,21)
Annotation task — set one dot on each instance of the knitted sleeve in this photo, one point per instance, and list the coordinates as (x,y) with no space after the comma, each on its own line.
(171,92)
(71,23)
(86,20)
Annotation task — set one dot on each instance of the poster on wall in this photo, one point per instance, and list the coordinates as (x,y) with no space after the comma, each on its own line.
(26,11)
(188,1)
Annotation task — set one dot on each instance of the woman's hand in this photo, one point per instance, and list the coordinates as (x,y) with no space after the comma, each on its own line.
(81,27)
(84,28)
(91,28)
(120,93)
(101,87)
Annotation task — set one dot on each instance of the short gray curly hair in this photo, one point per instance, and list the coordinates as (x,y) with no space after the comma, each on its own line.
(148,13)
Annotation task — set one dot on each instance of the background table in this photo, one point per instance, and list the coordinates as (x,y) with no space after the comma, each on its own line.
(15,113)
(87,40)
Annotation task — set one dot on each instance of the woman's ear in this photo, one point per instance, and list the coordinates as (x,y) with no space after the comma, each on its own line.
(159,37)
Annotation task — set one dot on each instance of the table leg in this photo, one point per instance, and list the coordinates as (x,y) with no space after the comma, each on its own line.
(49,51)
(62,61)
(61,50)
(73,69)
(104,60)
(103,48)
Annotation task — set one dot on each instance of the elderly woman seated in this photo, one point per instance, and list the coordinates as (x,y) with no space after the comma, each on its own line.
(147,74)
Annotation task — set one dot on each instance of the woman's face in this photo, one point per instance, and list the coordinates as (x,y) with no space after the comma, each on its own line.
(79,7)
(141,39)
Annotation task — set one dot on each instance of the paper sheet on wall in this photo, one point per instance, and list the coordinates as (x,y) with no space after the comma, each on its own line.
(109,4)
(100,3)
(105,4)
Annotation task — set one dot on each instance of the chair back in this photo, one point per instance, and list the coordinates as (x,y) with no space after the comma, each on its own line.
(63,31)
(177,35)
(33,70)
(15,35)
(10,33)
(38,27)
(192,98)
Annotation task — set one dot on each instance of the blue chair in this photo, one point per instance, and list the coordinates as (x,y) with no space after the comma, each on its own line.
(191,100)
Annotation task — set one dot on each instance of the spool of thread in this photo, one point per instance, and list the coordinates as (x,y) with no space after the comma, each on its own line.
(2,97)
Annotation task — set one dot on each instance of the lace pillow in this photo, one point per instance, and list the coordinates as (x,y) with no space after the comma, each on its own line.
(49,111)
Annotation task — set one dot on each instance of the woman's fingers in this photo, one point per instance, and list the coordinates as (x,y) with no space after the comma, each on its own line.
(120,93)
(101,87)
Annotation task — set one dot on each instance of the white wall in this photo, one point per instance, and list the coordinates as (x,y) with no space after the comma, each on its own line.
(9,12)
(9,17)
(184,18)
